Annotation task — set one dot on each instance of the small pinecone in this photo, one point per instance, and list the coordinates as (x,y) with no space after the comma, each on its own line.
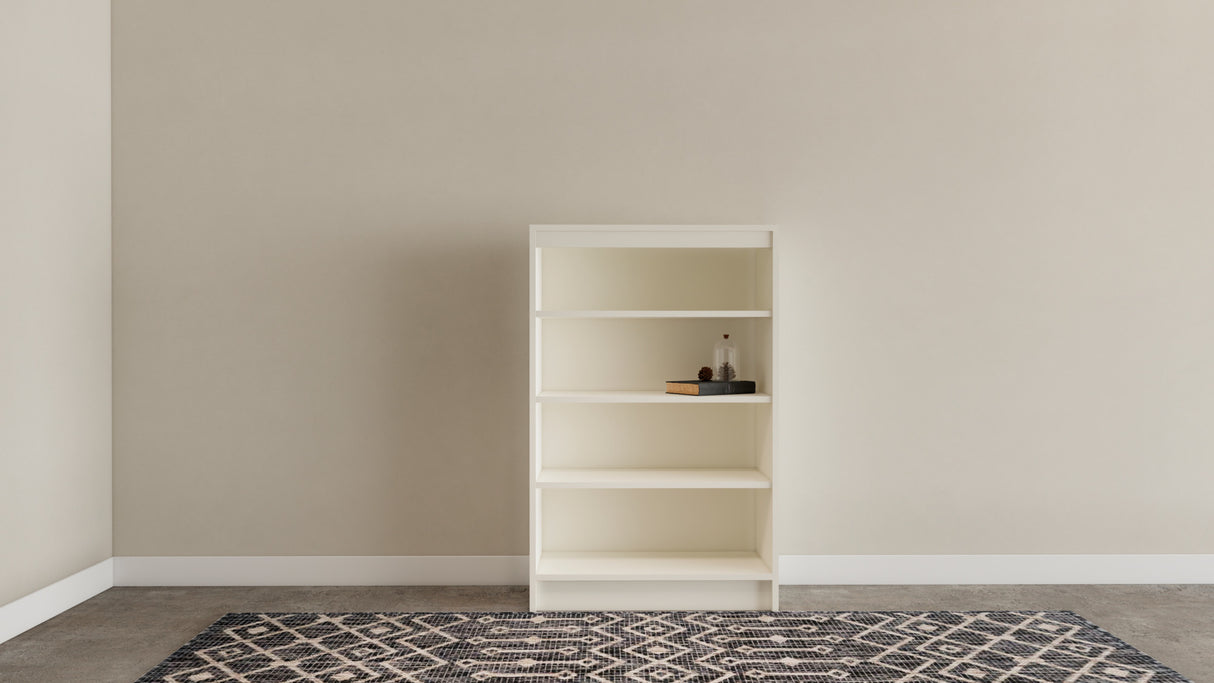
(728,374)
(705,374)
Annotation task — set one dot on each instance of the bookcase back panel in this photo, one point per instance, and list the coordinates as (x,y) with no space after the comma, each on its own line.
(578,435)
(652,279)
(642,354)
(648,520)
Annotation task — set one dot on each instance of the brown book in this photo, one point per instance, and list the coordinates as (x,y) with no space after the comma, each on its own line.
(693,387)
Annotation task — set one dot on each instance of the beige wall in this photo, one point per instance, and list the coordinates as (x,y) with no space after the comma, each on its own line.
(55,494)
(996,222)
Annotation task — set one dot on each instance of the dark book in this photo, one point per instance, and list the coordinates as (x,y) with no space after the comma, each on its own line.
(693,387)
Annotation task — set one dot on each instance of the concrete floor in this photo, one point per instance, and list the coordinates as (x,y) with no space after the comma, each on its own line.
(119,635)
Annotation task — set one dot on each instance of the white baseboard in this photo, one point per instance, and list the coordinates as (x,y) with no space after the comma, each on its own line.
(432,570)
(857,570)
(22,614)
(794,570)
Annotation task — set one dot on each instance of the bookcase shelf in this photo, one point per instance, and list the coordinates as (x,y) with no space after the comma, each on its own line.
(645,397)
(652,314)
(653,566)
(652,478)
(642,499)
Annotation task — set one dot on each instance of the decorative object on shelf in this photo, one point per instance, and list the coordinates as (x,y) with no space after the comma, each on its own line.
(727,373)
(694,388)
(725,360)
(705,374)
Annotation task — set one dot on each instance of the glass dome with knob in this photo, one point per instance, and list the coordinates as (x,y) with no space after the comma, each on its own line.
(725,360)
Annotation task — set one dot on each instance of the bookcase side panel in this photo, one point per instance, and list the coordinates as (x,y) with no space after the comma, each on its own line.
(535,433)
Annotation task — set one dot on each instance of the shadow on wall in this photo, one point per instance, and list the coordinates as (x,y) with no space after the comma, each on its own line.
(348,391)
(454,346)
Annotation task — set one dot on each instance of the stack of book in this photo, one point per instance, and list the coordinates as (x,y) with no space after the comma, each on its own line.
(693,387)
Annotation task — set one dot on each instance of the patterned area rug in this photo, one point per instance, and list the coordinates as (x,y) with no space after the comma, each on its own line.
(660,647)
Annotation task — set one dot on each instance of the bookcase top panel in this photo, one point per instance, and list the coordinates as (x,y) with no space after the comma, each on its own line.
(654,236)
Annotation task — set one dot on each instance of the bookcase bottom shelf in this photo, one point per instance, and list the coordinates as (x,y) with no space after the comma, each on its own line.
(652,566)
(653,595)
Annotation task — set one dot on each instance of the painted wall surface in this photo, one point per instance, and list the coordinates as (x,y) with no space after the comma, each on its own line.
(998,299)
(55,493)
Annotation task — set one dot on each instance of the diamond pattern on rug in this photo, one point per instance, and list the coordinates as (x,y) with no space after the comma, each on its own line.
(660,647)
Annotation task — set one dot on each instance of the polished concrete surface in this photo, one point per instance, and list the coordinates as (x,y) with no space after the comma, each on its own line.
(119,635)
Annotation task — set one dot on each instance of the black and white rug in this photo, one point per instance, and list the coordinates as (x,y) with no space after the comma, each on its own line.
(660,647)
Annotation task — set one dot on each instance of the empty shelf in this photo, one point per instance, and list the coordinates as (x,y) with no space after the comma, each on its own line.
(655,566)
(654,314)
(685,478)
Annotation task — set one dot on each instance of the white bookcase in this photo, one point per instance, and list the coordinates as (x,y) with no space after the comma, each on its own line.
(642,499)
